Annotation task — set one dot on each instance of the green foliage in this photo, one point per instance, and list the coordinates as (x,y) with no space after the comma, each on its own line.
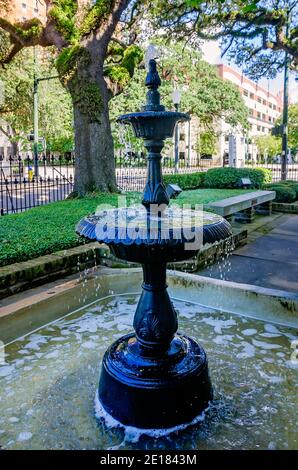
(69,59)
(72,65)
(284,193)
(286,184)
(250,32)
(63,13)
(185,180)
(29,29)
(96,15)
(122,72)
(132,56)
(206,144)
(205,95)
(117,74)
(292,126)
(46,229)
(268,145)
(55,107)
(230,177)
(204,196)
(88,98)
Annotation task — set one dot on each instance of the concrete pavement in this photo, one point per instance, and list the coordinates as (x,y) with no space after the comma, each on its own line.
(268,260)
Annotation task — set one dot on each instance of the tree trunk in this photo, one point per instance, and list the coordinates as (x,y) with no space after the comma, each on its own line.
(94,148)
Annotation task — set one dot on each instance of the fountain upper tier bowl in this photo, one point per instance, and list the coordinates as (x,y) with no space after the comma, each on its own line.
(157,125)
(136,235)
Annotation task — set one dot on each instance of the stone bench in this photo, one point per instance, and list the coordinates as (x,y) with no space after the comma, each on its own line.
(244,206)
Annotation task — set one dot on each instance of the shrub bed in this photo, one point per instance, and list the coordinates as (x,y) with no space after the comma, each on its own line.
(185,181)
(284,193)
(230,177)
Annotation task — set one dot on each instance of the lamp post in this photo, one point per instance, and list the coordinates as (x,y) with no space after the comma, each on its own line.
(285,117)
(176,97)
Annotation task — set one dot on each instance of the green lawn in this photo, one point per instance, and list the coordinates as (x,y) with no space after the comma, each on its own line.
(51,228)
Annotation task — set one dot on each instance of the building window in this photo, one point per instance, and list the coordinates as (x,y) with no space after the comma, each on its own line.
(259,99)
(270,105)
(263,129)
(258,128)
(269,119)
(251,112)
(24,6)
(251,95)
(182,137)
(274,107)
(226,138)
(264,117)
(264,102)
(245,92)
(35,10)
(258,115)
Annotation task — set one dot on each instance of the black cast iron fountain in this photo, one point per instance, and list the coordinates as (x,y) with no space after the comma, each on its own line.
(154,377)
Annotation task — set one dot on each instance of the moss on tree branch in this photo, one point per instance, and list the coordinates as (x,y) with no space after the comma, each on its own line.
(63,13)
(24,32)
(96,15)
(120,74)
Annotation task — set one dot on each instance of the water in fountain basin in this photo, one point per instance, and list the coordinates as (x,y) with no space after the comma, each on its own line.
(48,383)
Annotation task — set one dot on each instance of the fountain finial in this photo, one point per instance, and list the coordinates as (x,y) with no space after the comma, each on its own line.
(153,82)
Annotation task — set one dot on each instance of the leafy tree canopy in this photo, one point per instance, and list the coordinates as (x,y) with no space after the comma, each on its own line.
(292,126)
(16,106)
(268,145)
(252,32)
(204,94)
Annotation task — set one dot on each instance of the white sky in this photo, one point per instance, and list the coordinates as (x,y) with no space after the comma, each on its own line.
(211,53)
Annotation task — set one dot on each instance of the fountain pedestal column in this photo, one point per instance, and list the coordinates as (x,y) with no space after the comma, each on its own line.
(155,321)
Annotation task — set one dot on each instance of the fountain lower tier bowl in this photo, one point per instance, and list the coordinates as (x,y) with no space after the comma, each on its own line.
(135,235)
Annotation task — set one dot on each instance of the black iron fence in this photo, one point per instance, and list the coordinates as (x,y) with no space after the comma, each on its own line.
(292,170)
(20,189)
(131,170)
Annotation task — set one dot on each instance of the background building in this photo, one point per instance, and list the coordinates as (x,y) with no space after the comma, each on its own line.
(21,10)
(263,107)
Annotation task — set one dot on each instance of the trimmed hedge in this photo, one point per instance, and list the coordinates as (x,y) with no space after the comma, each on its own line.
(185,180)
(284,193)
(288,184)
(230,177)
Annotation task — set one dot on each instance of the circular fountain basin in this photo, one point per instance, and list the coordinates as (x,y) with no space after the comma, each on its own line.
(49,379)
(175,235)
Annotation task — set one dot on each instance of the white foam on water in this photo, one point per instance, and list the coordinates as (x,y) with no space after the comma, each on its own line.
(219,324)
(89,345)
(248,351)
(132,434)
(24,436)
(262,344)
(249,332)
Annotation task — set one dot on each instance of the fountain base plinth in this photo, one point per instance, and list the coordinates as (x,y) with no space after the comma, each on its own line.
(159,392)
